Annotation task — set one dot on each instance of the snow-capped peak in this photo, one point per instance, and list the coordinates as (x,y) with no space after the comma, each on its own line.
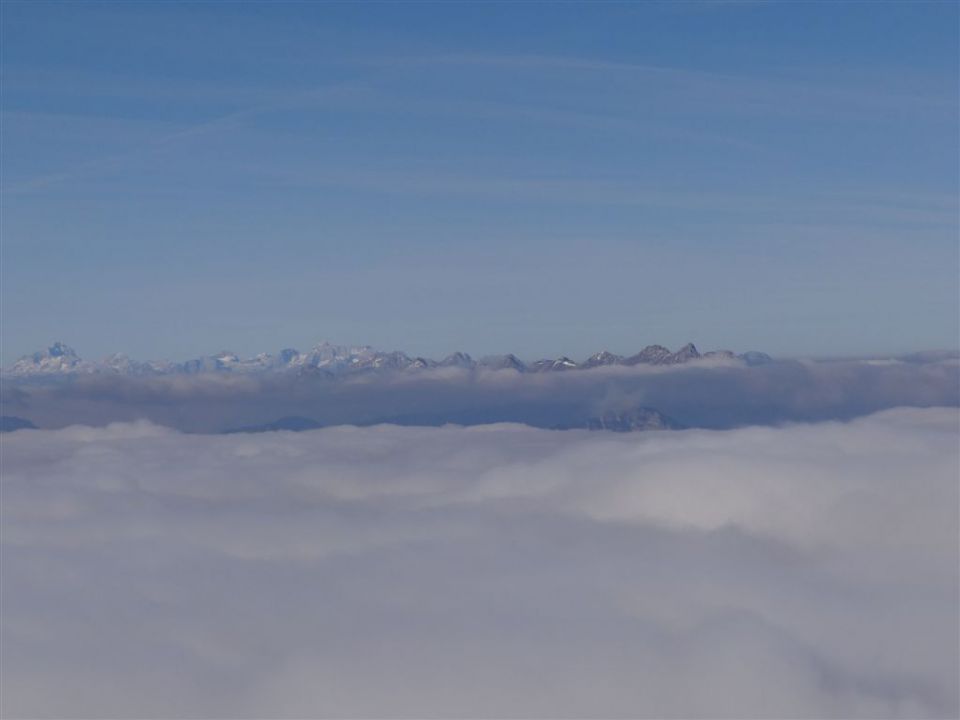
(58,358)
(327,359)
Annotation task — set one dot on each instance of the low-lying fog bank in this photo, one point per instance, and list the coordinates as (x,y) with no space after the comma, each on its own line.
(706,394)
(801,571)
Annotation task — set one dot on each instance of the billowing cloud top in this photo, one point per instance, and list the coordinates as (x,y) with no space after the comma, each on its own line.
(800,571)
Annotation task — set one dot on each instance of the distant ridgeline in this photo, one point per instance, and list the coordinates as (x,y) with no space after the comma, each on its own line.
(655,389)
(43,375)
(328,359)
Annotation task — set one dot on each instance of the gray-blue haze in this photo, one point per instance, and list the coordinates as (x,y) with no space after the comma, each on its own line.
(706,392)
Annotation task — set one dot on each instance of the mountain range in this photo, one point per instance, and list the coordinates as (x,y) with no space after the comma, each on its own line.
(327,359)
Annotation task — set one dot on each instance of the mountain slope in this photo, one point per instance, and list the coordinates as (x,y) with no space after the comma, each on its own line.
(328,360)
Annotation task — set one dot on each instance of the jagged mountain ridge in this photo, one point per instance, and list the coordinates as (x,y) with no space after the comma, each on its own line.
(329,359)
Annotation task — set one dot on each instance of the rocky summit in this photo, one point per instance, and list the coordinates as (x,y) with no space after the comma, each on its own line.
(327,359)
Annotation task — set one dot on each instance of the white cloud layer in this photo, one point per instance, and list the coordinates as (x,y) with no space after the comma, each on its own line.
(802,571)
(705,394)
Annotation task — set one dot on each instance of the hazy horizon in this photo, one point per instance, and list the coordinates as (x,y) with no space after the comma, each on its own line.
(476,355)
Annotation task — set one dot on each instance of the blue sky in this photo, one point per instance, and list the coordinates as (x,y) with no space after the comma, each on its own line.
(546,179)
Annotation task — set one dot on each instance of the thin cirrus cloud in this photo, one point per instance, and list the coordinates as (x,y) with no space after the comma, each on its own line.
(389,84)
(808,570)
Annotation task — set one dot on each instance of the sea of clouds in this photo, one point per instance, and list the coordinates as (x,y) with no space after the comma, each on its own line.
(807,570)
(707,394)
